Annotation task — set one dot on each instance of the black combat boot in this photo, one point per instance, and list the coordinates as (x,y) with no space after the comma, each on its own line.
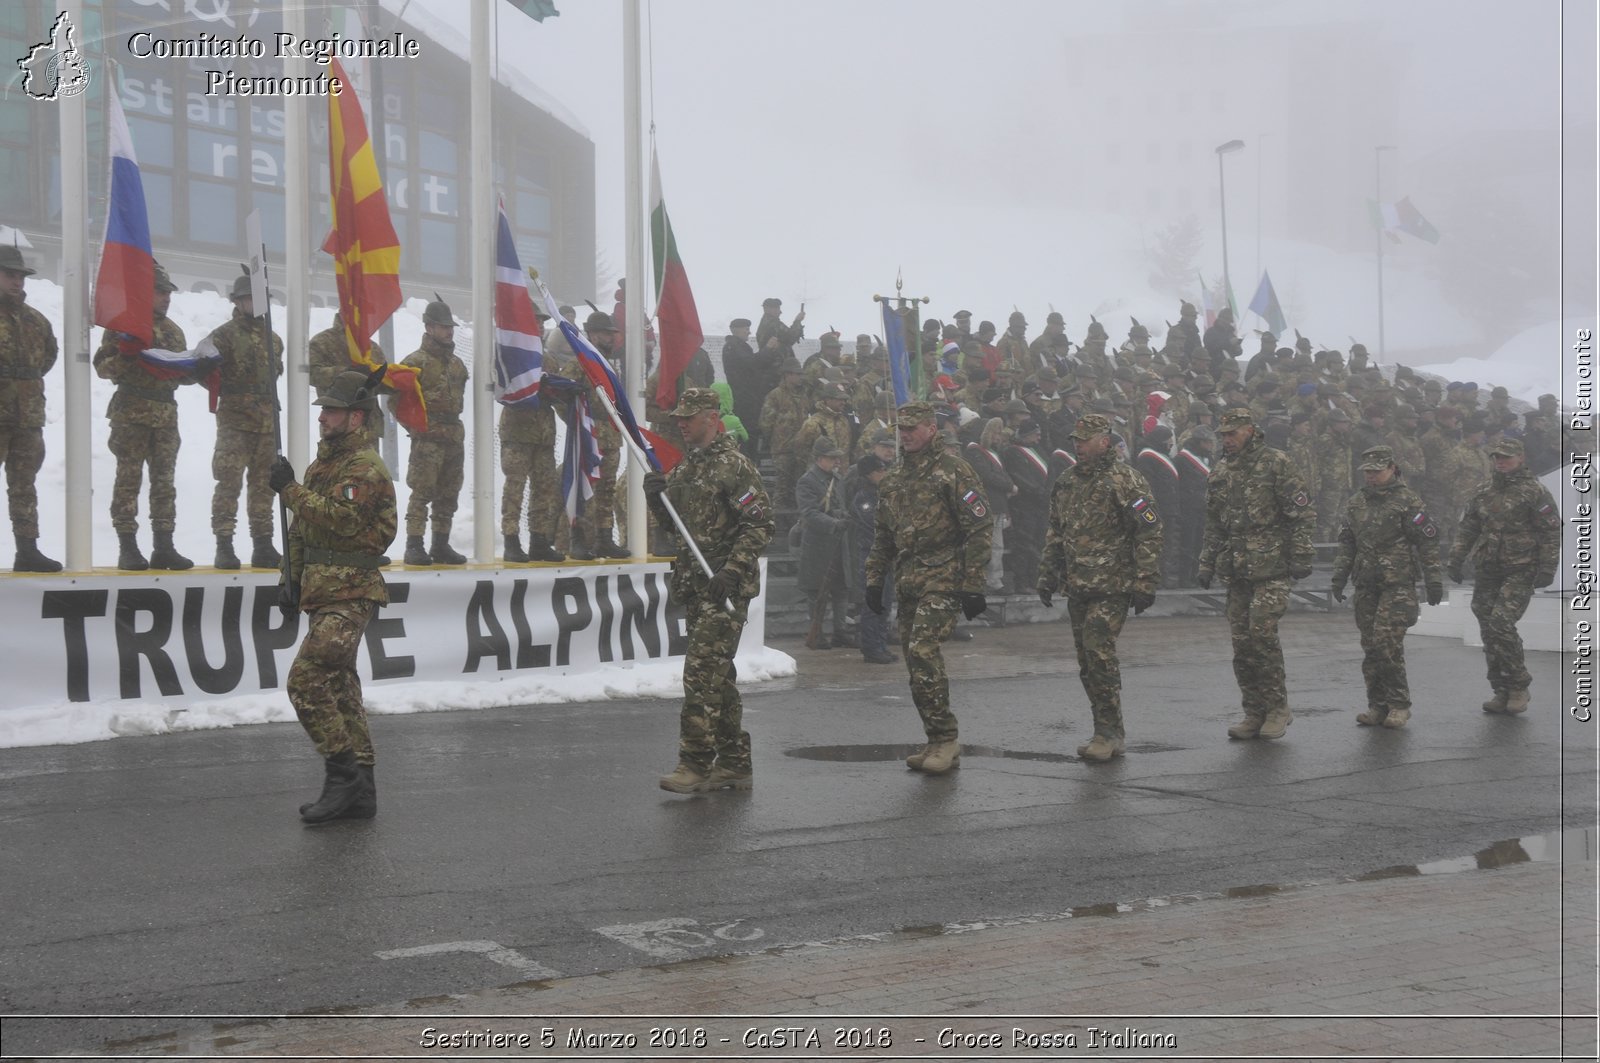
(226,558)
(365,806)
(605,546)
(342,789)
(129,559)
(265,555)
(576,549)
(514,552)
(442,554)
(416,553)
(29,559)
(539,549)
(166,556)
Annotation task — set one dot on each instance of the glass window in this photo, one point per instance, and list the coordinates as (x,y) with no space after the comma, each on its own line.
(212,155)
(437,152)
(15,185)
(158,202)
(533,251)
(214,216)
(533,211)
(441,108)
(152,141)
(435,194)
(439,255)
(215,112)
(533,169)
(270,204)
(266,163)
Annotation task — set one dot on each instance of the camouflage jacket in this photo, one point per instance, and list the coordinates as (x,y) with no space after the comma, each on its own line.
(786,335)
(824,422)
(933,526)
(1387,539)
(328,356)
(442,376)
(249,375)
(1104,535)
(1014,352)
(782,414)
(1510,522)
(141,398)
(718,493)
(1258,516)
(344,519)
(27,352)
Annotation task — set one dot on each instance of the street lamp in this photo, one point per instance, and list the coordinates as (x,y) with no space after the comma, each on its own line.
(1377,197)
(1222,194)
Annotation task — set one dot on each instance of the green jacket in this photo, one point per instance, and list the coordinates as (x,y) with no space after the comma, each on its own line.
(933,526)
(1258,516)
(1387,539)
(27,353)
(1104,535)
(344,519)
(248,391)
(718,493)
(1511,522)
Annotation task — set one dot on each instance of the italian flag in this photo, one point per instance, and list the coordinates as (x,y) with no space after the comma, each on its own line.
(676,315)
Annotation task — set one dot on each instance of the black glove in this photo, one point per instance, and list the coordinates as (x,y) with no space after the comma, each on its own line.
(973,603)
(1203,577)
(1338,592)
(1454,572)
(1435,593)
(1143,600)
(1544,577)
(722,585)
(1299,570)
(1047,596)
(288,599)
(281,475)
(655,483)
(875,599)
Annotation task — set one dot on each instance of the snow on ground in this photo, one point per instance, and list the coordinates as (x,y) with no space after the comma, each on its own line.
(1530,364)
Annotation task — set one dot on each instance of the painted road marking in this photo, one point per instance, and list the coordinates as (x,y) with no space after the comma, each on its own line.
(674,939)
(489,950)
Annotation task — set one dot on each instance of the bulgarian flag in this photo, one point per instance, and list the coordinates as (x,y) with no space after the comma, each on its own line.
(675,310)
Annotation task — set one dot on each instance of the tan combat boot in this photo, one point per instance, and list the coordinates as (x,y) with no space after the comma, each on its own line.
(1397,718)
(941,757)
(1101,749)
(1276,723)
(1248,727)
(1371,718)
(684,780)
(1516,701)
(1496,703)
(725,778)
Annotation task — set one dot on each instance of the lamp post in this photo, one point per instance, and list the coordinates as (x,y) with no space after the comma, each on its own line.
(1377,197)
(1222,194)
(1260,140)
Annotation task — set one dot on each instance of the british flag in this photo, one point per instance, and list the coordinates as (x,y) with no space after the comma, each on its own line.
(518,339)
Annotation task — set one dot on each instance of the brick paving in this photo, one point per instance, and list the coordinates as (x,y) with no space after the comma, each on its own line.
(1488,964)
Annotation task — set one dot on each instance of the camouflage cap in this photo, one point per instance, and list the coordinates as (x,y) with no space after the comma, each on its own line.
(1238,417)
(163,281)
(1506,448)
(11,260)
(912,414)
(696,400)
(826,448)
(1376,459)
(836,391)
(349,391)
(1091,425)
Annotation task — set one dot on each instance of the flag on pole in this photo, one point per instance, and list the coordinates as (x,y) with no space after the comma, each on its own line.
(1411,221)
(580,461)
(894,338)
(681,334)
(1265,304)
(365,249)
(124,289)
(518,337)
(1206,305)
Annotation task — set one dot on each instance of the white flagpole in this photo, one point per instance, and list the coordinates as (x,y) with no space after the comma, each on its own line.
(75,315)
(297,252)
(633,328)
(484,519)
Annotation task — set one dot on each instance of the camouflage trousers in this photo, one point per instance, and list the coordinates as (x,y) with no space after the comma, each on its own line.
(602,511)
(710,725)
(926,621)
(237,452)
(530,470)
(22,452)
(1383,614)
(1499,598)
(1096,623)
(135,446)
(323,685)
(434,475)
(1254,609)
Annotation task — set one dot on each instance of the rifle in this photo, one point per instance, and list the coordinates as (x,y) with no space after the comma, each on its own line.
(819,606)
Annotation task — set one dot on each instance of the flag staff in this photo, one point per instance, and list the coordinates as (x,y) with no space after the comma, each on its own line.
(75,315)
(1377,194)
(634,269)
(296,249)
(484,519)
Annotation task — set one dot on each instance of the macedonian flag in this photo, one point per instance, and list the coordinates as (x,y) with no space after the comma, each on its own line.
(365,249)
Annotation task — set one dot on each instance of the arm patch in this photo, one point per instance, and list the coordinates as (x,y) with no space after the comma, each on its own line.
(1551,517)
(751,504)
(1143,510)
(1425,524)
(974,503)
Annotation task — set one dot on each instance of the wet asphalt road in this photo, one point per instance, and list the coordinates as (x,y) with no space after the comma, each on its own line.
(171,874)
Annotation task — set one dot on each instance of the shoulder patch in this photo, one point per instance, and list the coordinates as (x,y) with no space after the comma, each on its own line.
(750,502)
(1425,524)
(1300,499)
(974,502)
(1551,517)
(350,492)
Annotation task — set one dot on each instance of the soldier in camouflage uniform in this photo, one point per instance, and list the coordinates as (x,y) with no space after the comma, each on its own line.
(527,457)
(601,514)
(1103,549)
(934,529)
(144,430)
(436,467)
(1258,539)
(27,352)
(1387,538)
(718,494)
(828,420)
(1512,530)
(247,414)
(344,519)
(782,414)
(329,355)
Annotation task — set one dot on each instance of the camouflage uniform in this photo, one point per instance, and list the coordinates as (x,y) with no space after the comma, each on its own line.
(527,457)
(27,353)
(823,422)
(1258,538)
(1386,539)
(247,415)
(329,355)
(437,464)
(934,529)
(782,414)
(718,493)
(1512,530)
(144,429)
(1103,545)
(344,519)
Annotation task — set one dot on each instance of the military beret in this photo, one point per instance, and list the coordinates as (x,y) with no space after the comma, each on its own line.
(1299,418)
(1091,425)
(912,414)
(1376,459)
(1469,385)
(1506,448)
(739,322)
(1238,417)
(826,448)
(696,400)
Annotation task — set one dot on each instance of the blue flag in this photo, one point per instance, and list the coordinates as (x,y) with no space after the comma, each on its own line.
(1265,303)
(894,337)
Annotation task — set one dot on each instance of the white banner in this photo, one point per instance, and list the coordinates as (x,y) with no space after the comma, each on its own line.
(182,637)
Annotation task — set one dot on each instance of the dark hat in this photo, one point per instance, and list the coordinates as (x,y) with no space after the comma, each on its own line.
(1096,330)
(826,448)
(791,364)
(831,339)
(882,437)
(1358,349)
(438,313)
(564,309)
(1027,427)
(992,395)
(768,304)
(870,464)
(1547,400)
(163,281)
(914,413)
(836,391)
(1091,425)
(1238,417)
(986,328)
(11,260)
(1506,448)
(1054,318)
(241,287)
(962,313)
(349,391)
(1187,309)
(696,400)
(1016,318)
(1500,393)
(1376,459)
(1016,406)
(599,321)
(1338,415)
(739,322)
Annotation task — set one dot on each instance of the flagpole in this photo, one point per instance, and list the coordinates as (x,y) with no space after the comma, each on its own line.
(634,270)
(484,227)
(1377,194)
(296,249)
(75,317)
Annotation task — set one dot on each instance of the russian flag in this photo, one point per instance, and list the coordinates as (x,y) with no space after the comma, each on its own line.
(518,339)
(124,289)
(181,365)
